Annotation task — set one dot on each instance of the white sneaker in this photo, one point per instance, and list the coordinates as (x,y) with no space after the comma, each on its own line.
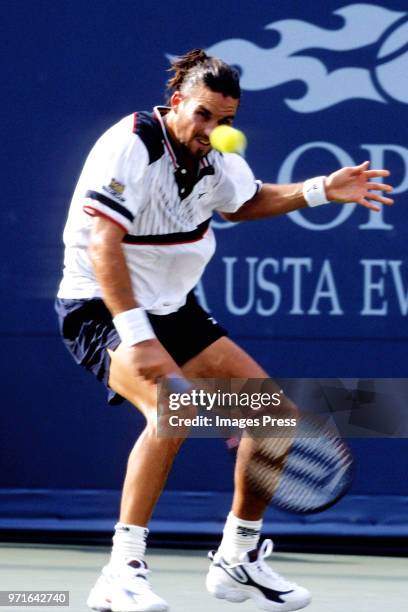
(252,578)
(100,595)
(125,589)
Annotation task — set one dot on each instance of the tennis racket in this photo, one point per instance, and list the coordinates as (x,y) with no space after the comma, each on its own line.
(306,473)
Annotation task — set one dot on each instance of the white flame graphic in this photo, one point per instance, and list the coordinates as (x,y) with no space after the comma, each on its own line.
(363,25)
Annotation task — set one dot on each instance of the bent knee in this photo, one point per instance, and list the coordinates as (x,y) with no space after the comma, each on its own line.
(167,439)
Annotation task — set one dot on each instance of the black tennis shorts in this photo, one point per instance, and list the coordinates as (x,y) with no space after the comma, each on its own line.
(88,331)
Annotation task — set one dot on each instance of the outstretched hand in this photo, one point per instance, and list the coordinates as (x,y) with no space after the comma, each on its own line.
(352,184)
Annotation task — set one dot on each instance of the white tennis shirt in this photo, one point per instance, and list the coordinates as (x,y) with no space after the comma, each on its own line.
(133,177)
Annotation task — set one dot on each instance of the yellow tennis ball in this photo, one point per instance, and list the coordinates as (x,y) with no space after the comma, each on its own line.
(227,139)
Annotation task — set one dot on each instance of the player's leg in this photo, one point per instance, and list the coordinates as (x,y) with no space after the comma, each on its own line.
(224,359)
(123,584)
(151,457)
(238,571)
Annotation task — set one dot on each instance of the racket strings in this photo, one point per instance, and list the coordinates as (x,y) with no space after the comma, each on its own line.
(324,446)
(312,473)
(316,465)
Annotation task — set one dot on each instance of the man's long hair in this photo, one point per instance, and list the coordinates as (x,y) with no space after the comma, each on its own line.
(196,67)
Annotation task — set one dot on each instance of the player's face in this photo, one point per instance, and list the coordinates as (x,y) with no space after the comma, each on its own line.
(196,114)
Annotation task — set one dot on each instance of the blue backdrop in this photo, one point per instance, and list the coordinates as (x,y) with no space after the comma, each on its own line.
(316,293)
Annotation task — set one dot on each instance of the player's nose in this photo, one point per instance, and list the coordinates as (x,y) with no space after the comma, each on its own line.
(209,128)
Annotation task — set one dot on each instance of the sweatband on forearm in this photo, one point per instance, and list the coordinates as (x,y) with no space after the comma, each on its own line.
(314,191)
(133,326)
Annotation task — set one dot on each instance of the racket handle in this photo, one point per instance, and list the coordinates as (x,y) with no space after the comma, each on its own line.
(177,384)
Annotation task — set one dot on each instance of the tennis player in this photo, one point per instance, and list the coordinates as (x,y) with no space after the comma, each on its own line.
(137,241)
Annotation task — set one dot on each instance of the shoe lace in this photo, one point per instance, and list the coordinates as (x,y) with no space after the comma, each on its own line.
(265,552)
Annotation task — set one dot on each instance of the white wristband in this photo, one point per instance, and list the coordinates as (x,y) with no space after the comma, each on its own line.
(314,192)
(133,326)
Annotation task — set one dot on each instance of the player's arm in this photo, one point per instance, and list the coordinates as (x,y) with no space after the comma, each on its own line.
(147,357)
(110,265)
(350,184)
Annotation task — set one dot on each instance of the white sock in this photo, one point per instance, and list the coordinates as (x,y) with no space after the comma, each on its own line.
(129,543)
(239,537)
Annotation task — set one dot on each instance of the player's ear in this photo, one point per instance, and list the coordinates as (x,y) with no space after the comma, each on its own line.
(175,100)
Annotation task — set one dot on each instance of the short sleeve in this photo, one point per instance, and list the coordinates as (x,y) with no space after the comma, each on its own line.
(239,184)
(110,184)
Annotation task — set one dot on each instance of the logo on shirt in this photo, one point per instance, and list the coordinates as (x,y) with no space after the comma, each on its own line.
(116,189)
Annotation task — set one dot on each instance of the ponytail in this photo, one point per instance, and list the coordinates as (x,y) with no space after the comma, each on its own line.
(197,67)
(182,65)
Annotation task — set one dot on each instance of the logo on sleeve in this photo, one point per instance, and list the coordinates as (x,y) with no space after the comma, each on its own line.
(115,189)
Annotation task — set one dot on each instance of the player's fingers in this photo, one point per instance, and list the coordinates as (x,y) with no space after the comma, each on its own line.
(361,167)
(379,198)
(367,204)
(379,186)
(374,173)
